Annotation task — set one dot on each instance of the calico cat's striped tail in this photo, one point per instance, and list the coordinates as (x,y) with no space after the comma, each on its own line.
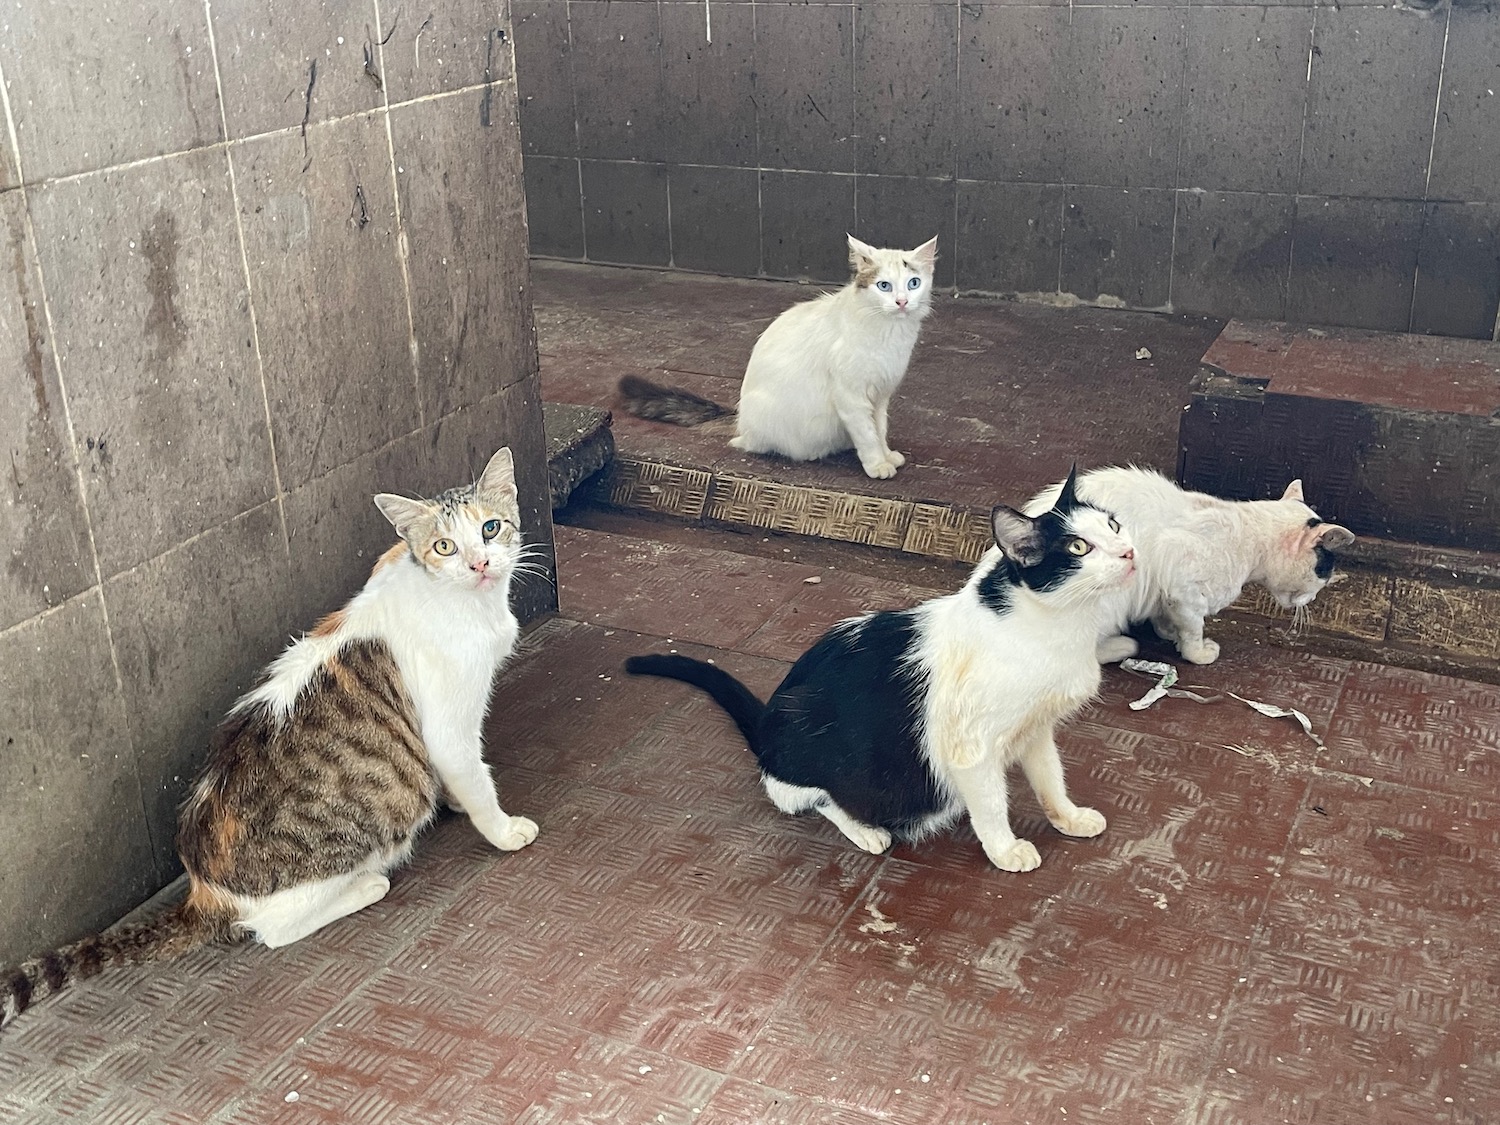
(646,399)
(172,933)
(726,691)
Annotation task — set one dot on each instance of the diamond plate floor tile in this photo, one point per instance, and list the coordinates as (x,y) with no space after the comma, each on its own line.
(711,597)
(1435,732)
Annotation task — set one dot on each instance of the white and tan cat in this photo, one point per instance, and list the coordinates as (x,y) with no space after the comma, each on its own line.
(1197,552)
(821,376)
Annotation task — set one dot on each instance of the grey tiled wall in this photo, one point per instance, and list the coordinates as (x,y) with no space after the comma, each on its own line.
(245,293)
(1330,162)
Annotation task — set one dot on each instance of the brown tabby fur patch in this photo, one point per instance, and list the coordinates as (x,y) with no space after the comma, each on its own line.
(289,801)
(680,407)
(281,802)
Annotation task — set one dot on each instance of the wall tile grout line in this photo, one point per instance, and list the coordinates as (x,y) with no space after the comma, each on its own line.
(239,229)
(1182,117)
(583,211)
(402,248)
(29,233)
(239,142)
(1291,242)
(1437,109)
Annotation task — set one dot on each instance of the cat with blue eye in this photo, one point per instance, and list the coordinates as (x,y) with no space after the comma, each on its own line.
(821,376)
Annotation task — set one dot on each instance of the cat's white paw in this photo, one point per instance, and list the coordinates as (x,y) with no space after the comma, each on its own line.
(1081,822)
(1020,855)
(1112,650)
(881,470)
(870,839)
(1205,653)
(518,833)
(897,459)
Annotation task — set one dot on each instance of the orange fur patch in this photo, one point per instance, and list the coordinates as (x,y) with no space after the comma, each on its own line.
(393,555)
(329,624)
(342,676)
(865,272)
(208,900)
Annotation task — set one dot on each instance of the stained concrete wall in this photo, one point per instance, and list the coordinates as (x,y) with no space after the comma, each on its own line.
(1313,160)
(252,279)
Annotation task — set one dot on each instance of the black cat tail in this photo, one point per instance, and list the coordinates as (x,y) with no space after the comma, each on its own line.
(680,407)
(726,691)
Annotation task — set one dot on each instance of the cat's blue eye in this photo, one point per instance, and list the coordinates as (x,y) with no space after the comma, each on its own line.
(914,283)
(490,529)
(883,286)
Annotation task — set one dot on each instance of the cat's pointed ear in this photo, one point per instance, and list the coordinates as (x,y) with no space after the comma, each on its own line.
(1067,499)
(926,254)
(1294,491)
(1331,537)
(403,513)
(499,476)
(1016,536)
(860,253)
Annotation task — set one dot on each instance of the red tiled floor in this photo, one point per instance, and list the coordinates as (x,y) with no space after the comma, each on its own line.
(1281,933)
(1277,935)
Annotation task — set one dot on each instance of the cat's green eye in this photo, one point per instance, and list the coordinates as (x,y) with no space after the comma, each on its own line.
(1114,524)
(490,529)
(1079,547)
(445,546)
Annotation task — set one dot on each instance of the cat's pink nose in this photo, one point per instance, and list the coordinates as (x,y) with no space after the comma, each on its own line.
(1129,554)
(901,302)
(480,566)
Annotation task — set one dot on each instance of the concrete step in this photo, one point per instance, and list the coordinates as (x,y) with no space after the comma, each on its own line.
(1001,398)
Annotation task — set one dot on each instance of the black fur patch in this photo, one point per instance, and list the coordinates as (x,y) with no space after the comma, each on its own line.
(54,971)
(19,985)
(846,720)
(1324,567)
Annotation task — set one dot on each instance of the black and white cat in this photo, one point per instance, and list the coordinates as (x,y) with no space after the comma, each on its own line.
(895,724)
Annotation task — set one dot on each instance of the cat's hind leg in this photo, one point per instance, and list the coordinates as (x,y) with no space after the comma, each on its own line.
(802,798)
(290,915)
(1043,768)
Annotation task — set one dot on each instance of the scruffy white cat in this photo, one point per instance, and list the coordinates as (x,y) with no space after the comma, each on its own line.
(1197,552)
(896,724)
(821,377)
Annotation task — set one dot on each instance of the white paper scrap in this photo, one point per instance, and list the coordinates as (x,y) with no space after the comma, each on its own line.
(1167,678)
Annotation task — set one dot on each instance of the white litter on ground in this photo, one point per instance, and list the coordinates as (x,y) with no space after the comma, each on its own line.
(1165,686)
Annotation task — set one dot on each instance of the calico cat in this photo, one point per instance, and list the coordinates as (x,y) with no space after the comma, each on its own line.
(821,376)
(895,724)
(321,776)
(1197,552)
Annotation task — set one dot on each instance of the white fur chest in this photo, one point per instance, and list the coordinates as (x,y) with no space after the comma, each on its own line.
(994,680)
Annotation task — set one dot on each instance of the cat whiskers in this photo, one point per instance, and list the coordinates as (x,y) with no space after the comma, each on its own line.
(1301,620)
(531,560)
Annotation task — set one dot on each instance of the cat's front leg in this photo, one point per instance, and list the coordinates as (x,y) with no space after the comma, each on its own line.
(1184,627)
(882,428)
(1043,767)
(982,790)
(468,781)
(857,413)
